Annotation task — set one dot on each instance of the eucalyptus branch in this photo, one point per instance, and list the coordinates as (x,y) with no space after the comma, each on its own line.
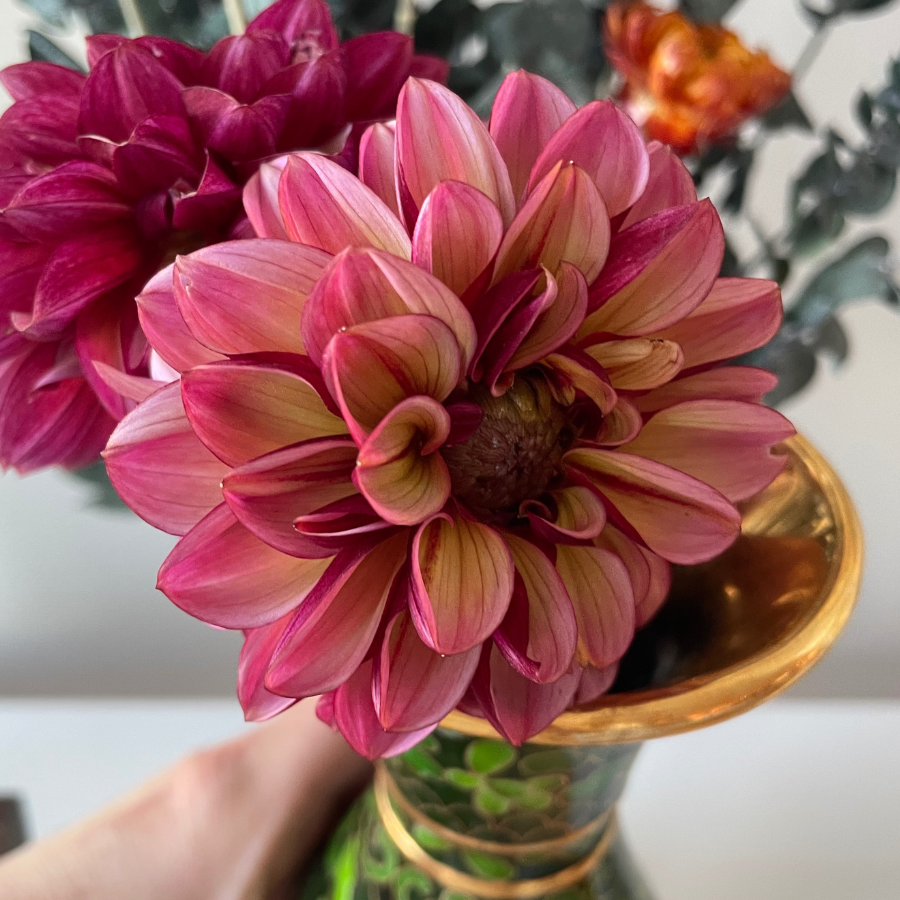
(235,15)
(134,20)
(405,15)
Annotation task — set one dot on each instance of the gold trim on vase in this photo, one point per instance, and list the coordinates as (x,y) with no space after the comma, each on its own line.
(455,880)
(385,783)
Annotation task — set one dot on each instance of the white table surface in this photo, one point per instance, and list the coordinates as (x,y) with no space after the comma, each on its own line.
(795,801)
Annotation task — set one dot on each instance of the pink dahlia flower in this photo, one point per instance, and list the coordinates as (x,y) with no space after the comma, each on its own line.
(441,430)
(105,177)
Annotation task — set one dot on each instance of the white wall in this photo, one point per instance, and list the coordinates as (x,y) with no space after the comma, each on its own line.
(78,612)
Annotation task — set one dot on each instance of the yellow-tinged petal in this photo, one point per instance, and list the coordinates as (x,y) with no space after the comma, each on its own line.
(638,364)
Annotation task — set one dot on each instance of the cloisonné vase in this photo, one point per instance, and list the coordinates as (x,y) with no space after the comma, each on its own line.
(465,815)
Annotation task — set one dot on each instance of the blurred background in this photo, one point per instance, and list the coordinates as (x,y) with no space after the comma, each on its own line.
(79,615)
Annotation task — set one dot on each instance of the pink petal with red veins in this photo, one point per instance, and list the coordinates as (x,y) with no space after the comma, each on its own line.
(165,328)
(398,470)
(127,85)
(724,443)
(371,367)
(594,683)
(431,68)
(332,631)
(376,66)
(457,234)
(517,707)
(261,200)
(651,575)
(680,518)
(298,21)
(601,592)
(339,525)
(159,467)
(376,163)
(527,112)
(440,139)
(79,271)
(737,316)
(247,296)
(367,285)
(414,687)
(356,719)
(539,633)
(572,372)
(35,79)
(222,574)
(670,184)
(638,364)
(238,131)
(258,703)
(269,493)
(240,64)
(728,383)
(563,219)
(603,141)
(557,323)
(580,515)
(242,409)
(622,424)
(669,287)
(323,205)
(462,578)
(136,388)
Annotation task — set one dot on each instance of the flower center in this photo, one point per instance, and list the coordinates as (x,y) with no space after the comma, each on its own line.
(516,452)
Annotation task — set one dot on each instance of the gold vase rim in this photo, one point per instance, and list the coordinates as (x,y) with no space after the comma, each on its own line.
(715,696)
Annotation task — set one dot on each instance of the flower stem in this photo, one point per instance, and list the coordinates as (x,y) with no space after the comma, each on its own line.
(405,16)
(235,15)
(134,21)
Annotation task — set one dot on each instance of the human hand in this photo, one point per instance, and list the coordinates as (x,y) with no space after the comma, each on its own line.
(236,822)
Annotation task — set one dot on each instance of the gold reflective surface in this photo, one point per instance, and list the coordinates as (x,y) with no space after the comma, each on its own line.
(739,629)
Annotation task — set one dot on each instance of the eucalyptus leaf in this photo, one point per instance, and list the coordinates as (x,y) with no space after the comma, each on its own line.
(741,163)
(102,494)
(790,360)
(707,10)
(831,340)
(787,114)
(44,50)
(831,9)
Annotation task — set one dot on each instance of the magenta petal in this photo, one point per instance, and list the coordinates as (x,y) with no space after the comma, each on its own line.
(298,20)
(376,66)
(222,574)
(415,687)
(332,631)
(258,703)
(215,199)
(670,184)
(355,717)
(159,153)
(160,468)
(34,79)
(240,64)
(41,129)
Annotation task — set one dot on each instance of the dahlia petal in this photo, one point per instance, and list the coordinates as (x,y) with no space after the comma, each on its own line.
(415,687)
(727,383)
(651,575)
(41,129)
(724,443)
(240,64)
(159,153)
(368,285)
(439,138)
(216,198)
(678,517)
(222,574)
(564,219)
(430,68)
(339,525)
(669,184)
(261,200)
(165,328)
(295,19)
(573,371)
(79,271)
(323,205)
(601,592)
(376,66)
(620,425)
(247,296)
(35,79)
(737,316)
(127,85)
(580,515)
(159,467)
(539,633)
(638,364)
(527,112)
(269,493)
(672,285)
(239,131)
(333,629)
(594,683)
(398,470)
(376,163)
(457,234)
(258,703)
(129,387)
(516,706)
(356,719)
(602,140)
(242,409)
(462,577)
(369,368)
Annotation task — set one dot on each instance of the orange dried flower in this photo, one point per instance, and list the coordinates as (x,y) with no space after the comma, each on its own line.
(688,85)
